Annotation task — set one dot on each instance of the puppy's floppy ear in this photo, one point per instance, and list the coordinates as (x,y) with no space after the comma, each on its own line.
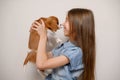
(52,23)
(43,18)
(34,37)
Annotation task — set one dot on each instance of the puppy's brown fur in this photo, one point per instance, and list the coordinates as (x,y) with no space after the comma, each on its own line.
(50,23)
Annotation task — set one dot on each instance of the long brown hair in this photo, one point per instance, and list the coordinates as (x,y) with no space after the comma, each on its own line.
(82,31)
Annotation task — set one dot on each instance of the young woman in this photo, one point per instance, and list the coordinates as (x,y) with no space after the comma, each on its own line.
(75,58)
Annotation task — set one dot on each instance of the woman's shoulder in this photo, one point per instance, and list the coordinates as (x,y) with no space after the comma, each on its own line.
(74,54)
(71,46)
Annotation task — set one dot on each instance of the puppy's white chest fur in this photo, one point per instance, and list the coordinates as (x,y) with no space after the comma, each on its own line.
(52,40)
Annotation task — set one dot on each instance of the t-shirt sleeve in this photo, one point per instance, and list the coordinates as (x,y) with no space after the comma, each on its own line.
(75,57)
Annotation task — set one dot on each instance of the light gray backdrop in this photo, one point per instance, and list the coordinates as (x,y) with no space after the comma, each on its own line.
(16,17)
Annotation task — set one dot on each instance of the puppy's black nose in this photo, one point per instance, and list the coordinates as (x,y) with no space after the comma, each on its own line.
(60,26)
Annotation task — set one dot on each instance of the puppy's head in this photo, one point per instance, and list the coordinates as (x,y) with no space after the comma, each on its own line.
(50,22)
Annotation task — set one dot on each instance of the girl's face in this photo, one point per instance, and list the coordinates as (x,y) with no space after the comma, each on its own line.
(66,27)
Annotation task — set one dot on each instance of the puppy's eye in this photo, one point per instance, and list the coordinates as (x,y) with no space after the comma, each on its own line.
(49,28)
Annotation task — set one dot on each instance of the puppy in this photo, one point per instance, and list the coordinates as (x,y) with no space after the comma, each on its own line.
(51,23)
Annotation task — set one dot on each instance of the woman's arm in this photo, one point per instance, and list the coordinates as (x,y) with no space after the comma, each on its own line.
(42,60)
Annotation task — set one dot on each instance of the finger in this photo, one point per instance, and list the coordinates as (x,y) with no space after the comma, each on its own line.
(34,25)
(30,29)
(43,24)
(37,23)
(34,29)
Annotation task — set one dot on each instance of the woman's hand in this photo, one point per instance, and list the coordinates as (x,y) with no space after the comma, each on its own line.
(40,28)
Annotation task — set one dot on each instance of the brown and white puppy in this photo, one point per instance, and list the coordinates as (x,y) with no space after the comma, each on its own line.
(51,24)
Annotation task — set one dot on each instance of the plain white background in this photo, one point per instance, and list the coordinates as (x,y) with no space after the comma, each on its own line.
(16,17)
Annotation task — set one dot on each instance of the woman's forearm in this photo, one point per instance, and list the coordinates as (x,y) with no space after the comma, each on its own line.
(41,57)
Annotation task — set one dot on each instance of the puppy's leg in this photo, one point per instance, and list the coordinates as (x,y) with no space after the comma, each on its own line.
(31,57)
